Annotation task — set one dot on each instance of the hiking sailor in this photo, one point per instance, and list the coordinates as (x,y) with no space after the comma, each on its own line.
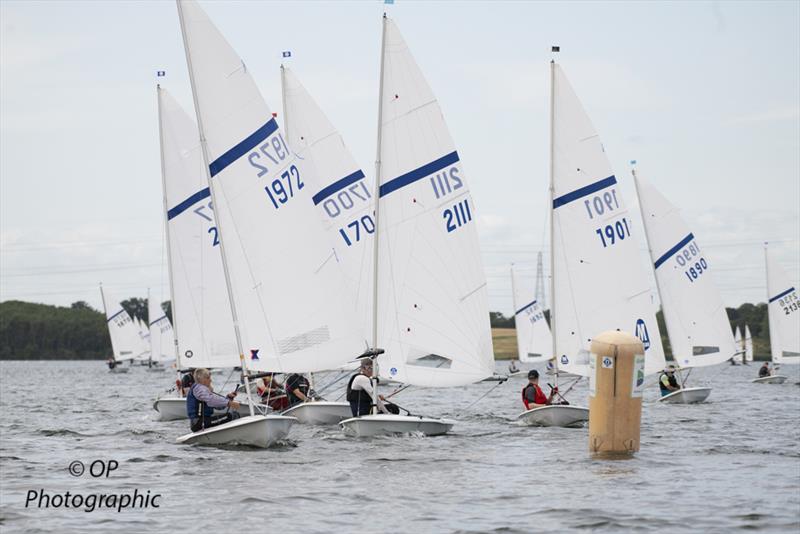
(359,391)
(667,381)
(201,402)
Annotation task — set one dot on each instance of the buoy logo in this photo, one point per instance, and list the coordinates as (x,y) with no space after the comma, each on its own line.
(564,359)
(393,371)
(641,333)
(188,354)
(639,377)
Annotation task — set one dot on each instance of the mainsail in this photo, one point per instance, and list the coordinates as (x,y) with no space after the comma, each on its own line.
(287,290)
(432,310)
(697,323)
(783,306)
(162,342)
(126,342)
(599,283)
(343,196)
(534,341)
(748,344)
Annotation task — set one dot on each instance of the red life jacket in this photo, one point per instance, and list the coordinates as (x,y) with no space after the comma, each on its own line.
(538,395)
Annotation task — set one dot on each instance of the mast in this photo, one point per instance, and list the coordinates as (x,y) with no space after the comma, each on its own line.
(283,94)
(149,319)
(204,147)
(166,229)
(552,226)
(540,296)
(376,196)
(105,312)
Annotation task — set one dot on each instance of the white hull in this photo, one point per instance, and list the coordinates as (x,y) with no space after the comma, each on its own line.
(174,408)
(118,369)
(320,412)
(774,379)
(686,396)
(254,430)
(562,415)
(383,424)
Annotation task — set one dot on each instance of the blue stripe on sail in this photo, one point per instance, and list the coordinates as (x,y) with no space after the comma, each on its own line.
(112,317)
(418,174)
(245,146)
(584,191)
(188,203)
(522,309)
(671,252)
(776,297)
(154,322)
(337,186)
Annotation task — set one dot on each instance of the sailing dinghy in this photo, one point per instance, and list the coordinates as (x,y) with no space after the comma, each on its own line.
(200,306)
(126,344)
(783,308)
(697,324)
(534,340)
(748,346)
(597,283)
(162,342)
(288,298)
(429,302)
(344,203)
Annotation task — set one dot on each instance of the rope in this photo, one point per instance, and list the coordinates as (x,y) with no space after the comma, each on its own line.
(480,398)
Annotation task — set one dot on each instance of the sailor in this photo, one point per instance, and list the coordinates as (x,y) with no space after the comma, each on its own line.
(359,391)
(111,363)
(512,367)
(532,394)
(667,381)
(297,389)
(764,371)
(186,382)
(201,401)
(272,394)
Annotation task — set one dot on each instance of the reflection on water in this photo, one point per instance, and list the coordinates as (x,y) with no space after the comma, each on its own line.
(732,463)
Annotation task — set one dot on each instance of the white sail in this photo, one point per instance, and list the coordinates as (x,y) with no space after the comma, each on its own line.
(126,342)
(344,196)
(783,306)
(599,283)
(432,308)
(534,341)
(162,347)
(737,336)
(697,323)
(200,305)
(748,344)
(289,291)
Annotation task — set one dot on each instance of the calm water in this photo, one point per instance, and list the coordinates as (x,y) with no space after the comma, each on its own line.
(732,463)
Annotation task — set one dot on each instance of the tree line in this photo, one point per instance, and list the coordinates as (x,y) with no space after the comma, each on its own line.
(30,331)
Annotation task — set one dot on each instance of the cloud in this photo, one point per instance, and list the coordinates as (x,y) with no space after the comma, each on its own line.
(787,113)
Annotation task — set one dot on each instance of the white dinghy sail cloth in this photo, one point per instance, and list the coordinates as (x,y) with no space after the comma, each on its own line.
(748,344)
(697,323)
(287,288)
(783,307)
(343,198)
(534,341)
(432,309)
(599,282)
(200,307)
(126,343)
(162,342)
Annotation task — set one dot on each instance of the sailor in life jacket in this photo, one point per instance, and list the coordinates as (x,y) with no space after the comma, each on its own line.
(532,394)
(359,391)
(298,389)
(201,402)
(764,371)
(667,382)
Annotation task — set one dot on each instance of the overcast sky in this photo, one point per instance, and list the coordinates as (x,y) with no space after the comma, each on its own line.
(704,95)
